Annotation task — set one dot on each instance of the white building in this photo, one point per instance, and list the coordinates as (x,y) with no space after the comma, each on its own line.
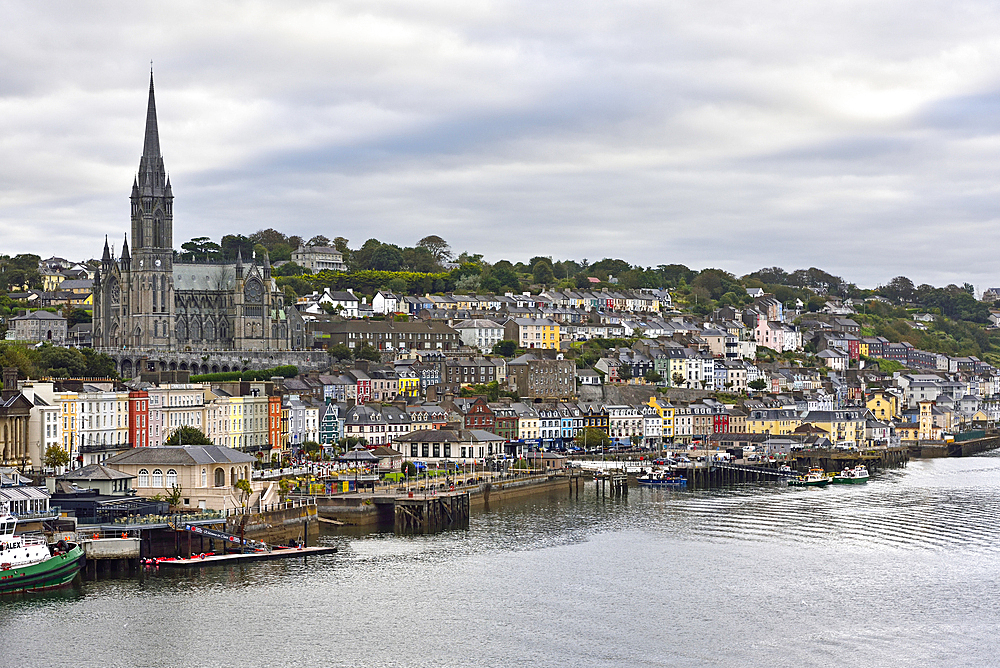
(479,333)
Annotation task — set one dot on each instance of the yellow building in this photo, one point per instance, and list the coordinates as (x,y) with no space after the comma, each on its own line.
(929,431)
(409,384)
(776,422)
(666,413)
(842,427)
(532,333)
(884,406)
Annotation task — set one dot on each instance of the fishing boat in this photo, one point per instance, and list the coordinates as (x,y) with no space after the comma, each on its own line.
(661,479)
(855,476)
(814,478)
(29,563)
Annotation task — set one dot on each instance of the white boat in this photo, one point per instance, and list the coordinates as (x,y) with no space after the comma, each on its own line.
(661,479)
(855,476)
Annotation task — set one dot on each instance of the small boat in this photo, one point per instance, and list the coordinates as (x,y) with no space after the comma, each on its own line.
(814,478)
(29,563)
(855,476)
(661,479)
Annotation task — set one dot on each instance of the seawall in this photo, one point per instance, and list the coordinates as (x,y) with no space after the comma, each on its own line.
(957,449)
(372,511)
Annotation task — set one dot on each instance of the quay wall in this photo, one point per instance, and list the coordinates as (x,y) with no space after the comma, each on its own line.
(275,526)
(969,448)
(493,495)
(375,510)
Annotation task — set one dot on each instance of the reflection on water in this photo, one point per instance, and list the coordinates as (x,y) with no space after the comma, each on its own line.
(896,572)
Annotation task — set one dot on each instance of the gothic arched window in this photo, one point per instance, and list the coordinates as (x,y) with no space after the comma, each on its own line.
(159,240)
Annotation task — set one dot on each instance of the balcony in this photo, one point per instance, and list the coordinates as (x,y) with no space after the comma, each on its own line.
(105,447)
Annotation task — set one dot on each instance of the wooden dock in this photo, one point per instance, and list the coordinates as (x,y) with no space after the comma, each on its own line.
(221,559)
(614,481)
(427,513)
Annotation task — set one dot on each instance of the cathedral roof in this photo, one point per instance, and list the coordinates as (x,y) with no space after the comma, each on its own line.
(204,277)
(151,145)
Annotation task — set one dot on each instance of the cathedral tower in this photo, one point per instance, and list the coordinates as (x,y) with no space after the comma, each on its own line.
(150,275)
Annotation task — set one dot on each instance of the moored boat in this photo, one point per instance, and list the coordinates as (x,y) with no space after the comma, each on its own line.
(29,563)
(661,479)
(855,476)
(814,478)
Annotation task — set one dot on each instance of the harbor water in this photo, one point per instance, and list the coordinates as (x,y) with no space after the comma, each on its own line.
(901,571)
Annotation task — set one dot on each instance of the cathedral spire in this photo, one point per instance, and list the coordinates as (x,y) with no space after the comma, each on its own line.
(151,146)
(107,251)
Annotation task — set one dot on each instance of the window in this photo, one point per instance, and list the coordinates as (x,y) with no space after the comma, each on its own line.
(157,478)
(171,478)
(143,478)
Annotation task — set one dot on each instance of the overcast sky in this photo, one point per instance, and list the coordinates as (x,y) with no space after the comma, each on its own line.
(860,137)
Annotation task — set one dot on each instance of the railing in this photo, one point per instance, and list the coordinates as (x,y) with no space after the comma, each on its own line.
(104,533)
(104,447)
(298,502)
(176,518)
(258,474)
(37,516)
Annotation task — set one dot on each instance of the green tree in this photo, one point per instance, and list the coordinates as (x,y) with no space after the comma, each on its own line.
(74,316)
(677,379)
(318,240)
(55,457)
(245,489)
(236,244)
(201,249)
(653,377)
(174,497)
(340,351)
(62,362)
(505,348)
(368,352)
(593,437)
(758,384)
(438,248)
(542,272)
(98,365)
(186,435)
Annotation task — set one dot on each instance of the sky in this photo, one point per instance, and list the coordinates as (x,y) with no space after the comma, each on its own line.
(860,137)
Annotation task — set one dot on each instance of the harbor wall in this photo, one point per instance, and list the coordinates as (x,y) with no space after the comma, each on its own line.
(374,511)
(927,450)
(275,526)
(493,495)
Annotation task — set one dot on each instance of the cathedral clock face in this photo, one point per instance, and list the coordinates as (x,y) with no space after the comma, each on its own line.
(158,263)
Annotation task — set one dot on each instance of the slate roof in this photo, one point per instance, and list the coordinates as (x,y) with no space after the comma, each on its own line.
(182,455)
(94,472)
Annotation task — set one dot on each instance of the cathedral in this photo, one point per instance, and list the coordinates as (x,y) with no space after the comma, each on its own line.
(145,300)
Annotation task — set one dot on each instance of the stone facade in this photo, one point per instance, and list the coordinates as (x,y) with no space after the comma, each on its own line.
(145,301)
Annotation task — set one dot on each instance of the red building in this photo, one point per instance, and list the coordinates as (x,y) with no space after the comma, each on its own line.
(274,421)
(479,416)
(138,418)
(720,423)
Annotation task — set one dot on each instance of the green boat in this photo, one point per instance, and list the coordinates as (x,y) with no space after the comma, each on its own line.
(855,476)
(815,478)
(29,563)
